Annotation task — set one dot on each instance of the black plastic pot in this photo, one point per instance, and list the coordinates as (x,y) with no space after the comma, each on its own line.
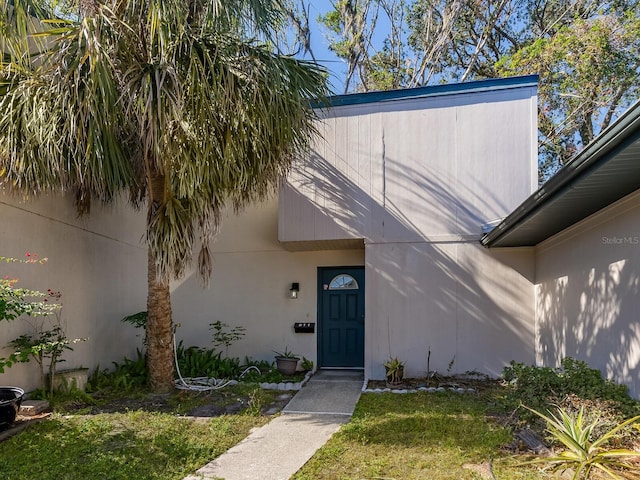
(10,399)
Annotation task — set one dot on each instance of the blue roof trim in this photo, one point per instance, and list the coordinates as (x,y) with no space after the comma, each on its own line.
(430,91)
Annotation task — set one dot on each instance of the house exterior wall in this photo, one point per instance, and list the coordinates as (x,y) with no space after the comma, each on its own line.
(587,294)
(252,274)
(399,187)
(466,308)
(98,264)
(415,179)
(409,170)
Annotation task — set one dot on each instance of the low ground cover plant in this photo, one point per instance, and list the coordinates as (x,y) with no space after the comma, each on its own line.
(574,387)
(193,362)
(540,387)
(201,362)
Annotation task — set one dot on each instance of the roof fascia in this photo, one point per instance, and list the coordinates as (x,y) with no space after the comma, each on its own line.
(590,158)
(430,91)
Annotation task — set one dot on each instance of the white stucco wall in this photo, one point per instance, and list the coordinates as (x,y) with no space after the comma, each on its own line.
(252,274)
(470,307)
(587,294)
(97,263)
(416,178)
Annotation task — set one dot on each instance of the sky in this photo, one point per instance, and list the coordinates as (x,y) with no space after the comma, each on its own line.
(320,45)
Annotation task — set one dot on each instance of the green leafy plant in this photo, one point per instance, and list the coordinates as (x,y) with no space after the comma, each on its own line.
(223,335)
(98,379)
(261,365)
(14,301)
(45,346)
(307,365)
(286,353)
(138,320)
(130,373)
(202,362)
(582,454)
(47,340)
(394,369)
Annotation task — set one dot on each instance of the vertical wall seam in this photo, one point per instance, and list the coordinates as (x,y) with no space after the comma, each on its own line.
(384,172)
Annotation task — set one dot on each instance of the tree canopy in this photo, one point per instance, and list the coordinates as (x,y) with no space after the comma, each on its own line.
(585,51)
(184,104)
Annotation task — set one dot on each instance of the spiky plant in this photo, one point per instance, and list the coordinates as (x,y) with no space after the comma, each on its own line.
(182,103)
(584,455)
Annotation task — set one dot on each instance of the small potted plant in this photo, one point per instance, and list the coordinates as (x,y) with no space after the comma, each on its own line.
(286,361)
(394,370)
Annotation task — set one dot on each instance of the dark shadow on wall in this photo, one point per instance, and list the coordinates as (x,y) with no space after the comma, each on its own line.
(390,209)
(459,208)
(591,313)
(468,312)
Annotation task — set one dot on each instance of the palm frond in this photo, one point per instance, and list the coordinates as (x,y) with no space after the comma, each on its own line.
(187,93)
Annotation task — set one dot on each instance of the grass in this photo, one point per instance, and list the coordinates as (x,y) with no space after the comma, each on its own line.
(145,437)
(434,436)
(140,445)
(416,436)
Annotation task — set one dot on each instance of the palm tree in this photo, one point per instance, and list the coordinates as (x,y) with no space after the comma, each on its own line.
(181,103)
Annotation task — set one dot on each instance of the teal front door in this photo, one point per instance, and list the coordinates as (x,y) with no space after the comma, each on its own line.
(341,317)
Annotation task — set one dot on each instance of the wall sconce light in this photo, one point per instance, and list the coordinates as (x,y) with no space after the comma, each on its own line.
(294,290)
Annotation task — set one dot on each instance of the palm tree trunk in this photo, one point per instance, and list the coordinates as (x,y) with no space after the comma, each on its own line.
(159,331)
(159,323)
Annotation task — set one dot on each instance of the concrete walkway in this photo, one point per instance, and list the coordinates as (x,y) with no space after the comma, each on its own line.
(278,450)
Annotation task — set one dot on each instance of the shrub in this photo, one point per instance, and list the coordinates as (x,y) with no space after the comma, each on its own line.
(126,375)
(47,341)
(538,387)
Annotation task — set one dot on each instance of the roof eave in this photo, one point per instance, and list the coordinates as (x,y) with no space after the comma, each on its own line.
(580,167)
(429,91)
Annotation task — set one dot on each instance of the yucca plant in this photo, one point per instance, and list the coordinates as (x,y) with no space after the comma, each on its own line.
(584,455)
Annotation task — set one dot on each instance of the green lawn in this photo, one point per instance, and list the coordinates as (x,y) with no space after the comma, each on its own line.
(119,446)
(391,436)
(434,436)
(416,436)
